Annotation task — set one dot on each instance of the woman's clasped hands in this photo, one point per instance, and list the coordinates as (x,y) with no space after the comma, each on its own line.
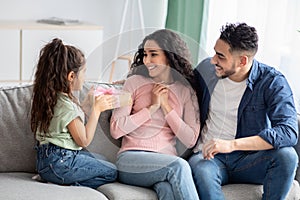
(160,96)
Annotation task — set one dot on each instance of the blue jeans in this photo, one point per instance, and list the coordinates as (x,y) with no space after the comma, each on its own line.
(170,176)
(69,167)
(274,169)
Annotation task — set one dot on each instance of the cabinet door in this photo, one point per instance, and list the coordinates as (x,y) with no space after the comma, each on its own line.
(9,55)
(34,40)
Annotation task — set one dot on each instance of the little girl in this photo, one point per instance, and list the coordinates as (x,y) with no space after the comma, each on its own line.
(58,120)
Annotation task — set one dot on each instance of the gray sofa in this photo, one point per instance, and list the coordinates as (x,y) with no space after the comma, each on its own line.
(17,159)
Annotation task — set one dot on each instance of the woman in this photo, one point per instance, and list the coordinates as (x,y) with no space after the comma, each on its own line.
(164,109)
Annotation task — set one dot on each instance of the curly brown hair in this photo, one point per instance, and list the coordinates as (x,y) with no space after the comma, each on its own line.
(175,50)
(56,61)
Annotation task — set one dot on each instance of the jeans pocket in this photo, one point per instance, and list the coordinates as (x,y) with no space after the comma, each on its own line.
(51,174)
(43,170)
(52,168)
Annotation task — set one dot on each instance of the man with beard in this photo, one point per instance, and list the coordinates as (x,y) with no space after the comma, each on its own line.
(248,120)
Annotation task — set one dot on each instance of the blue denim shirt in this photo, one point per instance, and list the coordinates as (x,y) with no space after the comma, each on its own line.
(266,109)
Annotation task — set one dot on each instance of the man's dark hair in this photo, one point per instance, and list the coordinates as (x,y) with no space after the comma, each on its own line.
(240,37)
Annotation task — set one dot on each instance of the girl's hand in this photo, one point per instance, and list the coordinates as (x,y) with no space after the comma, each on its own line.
(104,102)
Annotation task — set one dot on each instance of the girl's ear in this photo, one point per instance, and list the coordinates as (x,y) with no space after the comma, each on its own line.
(71,76)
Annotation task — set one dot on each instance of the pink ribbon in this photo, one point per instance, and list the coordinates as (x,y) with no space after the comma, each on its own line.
(100,90)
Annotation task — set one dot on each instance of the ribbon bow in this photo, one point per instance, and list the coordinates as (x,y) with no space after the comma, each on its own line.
(100,90)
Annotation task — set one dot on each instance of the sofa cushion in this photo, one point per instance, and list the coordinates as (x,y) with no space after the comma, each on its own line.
(20,186)
(119,191)
(254,192)
(17,141)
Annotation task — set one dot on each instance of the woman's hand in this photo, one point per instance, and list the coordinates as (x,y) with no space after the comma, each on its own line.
(160,96)
(118,82)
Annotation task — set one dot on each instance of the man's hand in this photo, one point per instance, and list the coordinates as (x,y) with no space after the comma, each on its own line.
(214,146)
(252,143)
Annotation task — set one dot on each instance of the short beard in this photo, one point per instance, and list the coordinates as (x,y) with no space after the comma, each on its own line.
(228,73)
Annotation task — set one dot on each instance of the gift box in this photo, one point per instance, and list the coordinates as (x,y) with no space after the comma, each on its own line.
(123,98)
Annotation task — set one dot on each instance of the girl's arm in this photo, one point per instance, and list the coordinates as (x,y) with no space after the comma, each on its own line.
(83,134)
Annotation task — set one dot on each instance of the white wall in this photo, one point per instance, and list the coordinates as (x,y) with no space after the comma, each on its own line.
(107,13)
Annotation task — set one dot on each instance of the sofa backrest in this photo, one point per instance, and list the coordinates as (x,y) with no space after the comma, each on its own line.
(102,143)
(16,139)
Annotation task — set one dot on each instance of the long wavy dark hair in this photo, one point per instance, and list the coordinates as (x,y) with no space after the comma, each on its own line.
(176,52)
(56,61)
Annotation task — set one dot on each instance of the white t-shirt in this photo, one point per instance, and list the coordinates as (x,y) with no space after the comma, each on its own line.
(222,116)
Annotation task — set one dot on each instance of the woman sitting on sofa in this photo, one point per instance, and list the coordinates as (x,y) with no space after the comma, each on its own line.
(164,109)
(58,120)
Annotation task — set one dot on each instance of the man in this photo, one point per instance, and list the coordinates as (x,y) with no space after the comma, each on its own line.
(248,120)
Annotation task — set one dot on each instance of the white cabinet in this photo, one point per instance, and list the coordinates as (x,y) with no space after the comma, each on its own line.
(21,43)
(9,54)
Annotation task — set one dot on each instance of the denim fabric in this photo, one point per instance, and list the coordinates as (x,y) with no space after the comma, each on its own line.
(170,176)
(266,109)
(275,169)
(73,167)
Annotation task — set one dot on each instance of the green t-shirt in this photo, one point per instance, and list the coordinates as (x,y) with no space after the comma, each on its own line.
(64,112)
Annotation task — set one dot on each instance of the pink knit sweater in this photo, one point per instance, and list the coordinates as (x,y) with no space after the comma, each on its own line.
(157,132)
